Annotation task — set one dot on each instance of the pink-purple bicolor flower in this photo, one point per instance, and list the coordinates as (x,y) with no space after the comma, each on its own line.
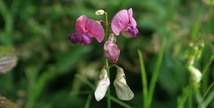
(124,22)
(86,29)
(111,51)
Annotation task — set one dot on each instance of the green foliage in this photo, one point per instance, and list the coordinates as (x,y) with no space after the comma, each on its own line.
(48,63)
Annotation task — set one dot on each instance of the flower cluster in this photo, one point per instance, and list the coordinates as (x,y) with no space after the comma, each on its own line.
(87,29)
(122,89)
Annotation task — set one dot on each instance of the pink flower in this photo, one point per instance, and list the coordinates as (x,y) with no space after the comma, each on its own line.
(124,21)
(86,29)
(111,51)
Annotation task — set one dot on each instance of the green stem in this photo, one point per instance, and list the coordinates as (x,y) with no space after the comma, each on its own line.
(184,97)
(190,98)
(87,105)
(205,94)
(143,79)
(106,62)
(155,73)
(109,90)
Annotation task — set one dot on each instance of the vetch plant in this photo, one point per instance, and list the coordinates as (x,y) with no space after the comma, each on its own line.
(87,29)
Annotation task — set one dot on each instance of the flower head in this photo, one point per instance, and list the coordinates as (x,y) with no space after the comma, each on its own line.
(86,29)
(122,89)
(102,85)
(124,21)
(111,51)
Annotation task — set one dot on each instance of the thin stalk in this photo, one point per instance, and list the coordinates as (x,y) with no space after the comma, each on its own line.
(205,94)
(143,79)
(184,97)
(109,90)
(106,62)
(155,73)
(190,98)
(87,105)
(190,93)
(205,74)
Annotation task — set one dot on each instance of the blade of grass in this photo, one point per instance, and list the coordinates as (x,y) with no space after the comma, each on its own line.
(88,101)
(184,97)
(111,97)
(208,100)
(205,94)
(197,26)
(143,79)
(156,73)
(205,74)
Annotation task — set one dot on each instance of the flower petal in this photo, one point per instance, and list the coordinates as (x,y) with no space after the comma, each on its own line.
(123,91)
(119,21)
(130,31)
(80,25)
(95,29)
(131,19)
(101,89)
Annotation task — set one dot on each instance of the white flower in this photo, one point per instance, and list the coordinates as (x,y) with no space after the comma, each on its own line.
(122,89)
(102,85)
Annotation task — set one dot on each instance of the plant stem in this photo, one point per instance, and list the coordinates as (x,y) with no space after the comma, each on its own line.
(87,105)
(155,73)
(106,62)
(190,98)
(143,79)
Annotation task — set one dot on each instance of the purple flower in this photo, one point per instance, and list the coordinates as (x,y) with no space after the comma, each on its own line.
(86,29)
(124,21)
(111,51)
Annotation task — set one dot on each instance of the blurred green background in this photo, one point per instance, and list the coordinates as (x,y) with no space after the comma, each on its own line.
(48,63)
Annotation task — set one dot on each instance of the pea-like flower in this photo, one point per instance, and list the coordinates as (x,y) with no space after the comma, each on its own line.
(102,85)
(86,29)
(124,22)
(111,51)
(122,89)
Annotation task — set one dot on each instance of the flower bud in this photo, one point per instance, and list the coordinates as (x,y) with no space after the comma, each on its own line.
(102,85)
(122,89)
(100,12)
(196,74)
(111,51)
(73,38)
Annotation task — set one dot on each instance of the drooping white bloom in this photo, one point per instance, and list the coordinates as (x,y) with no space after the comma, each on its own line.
(102,85)
(122,89)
